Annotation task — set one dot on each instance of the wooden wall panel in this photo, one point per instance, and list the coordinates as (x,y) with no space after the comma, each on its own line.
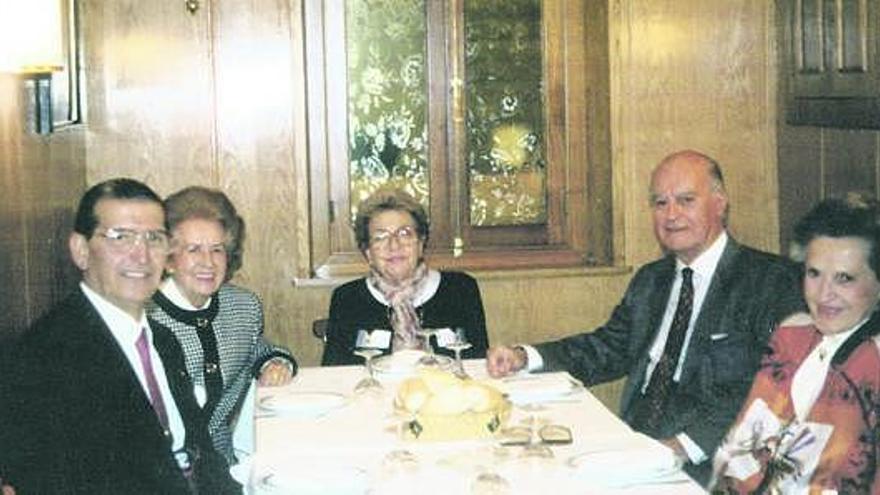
(800,176)
(695,74)
(819,162)
(850,162)
(260,123)
(150,101)
(41,179)
(13,265)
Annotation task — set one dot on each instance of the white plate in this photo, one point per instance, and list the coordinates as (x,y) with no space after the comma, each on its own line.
(260,478)
(406,362)
(539,387)
(619,468)
(296,403)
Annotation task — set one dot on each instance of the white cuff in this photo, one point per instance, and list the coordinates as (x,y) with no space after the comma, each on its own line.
(536,362)
(694,452)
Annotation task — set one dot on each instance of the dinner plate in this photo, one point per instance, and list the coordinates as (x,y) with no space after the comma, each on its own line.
(406,362)
(261,478)
(627,467)
(301,403)
(539,387)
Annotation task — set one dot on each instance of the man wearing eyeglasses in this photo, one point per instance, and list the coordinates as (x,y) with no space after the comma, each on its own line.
(99,401)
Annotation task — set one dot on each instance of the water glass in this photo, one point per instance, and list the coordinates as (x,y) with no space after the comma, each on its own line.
(459,344)
(368,383)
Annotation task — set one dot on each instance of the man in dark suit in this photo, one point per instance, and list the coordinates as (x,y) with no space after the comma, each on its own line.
(97,399)
(692,326)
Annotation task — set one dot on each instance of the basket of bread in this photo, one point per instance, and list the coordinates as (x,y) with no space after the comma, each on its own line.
(441,406)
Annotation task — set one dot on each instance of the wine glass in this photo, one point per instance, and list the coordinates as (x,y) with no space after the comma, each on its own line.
(535,448)
(490,483)
(429,359)
(369,382)
(458,344)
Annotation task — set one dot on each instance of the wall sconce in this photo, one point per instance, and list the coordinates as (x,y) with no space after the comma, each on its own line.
(31,46)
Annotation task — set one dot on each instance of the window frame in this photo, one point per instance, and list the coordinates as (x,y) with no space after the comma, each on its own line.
(577,138)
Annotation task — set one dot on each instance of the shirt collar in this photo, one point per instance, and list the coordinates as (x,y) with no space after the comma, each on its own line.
(121,324)
(171,290)
(834,341)
(427,291)
(704,265)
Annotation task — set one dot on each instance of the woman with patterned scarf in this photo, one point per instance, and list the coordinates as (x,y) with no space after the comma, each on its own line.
(401,295)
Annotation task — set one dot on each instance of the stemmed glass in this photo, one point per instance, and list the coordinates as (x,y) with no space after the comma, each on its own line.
(535,448)
(459,344)
(369,382)
(429,359)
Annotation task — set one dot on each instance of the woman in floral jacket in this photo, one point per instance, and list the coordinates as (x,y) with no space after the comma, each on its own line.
(810,422)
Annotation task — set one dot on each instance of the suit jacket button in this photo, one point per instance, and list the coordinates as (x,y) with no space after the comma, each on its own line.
(210,367)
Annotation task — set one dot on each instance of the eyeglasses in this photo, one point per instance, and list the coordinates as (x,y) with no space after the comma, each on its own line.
(405,235)
(127,239)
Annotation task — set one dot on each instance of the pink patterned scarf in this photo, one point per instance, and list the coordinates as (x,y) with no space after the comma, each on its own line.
(404,319)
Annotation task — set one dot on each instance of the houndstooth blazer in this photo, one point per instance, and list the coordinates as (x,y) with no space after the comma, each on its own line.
(241,348)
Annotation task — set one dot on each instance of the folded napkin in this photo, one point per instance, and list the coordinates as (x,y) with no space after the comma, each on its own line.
(539,387)
(632,464)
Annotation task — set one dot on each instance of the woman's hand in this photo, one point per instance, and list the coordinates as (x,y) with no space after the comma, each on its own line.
(275,372)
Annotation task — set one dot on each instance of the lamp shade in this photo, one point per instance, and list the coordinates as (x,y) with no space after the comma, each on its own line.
(31,36)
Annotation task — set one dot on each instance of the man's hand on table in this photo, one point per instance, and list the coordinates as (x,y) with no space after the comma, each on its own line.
(6,489)
(275,372)
(504,360)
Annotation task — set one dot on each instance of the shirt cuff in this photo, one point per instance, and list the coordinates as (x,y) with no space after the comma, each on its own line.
(535,361)
(694,452)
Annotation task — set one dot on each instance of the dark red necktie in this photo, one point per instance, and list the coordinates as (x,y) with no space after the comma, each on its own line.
(661,385)
(143,348)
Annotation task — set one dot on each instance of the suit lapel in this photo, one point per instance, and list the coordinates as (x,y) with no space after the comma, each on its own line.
(658,296)
(712,310)
(114,369)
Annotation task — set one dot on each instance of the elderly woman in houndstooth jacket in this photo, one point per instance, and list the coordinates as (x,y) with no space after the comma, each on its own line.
(219,325)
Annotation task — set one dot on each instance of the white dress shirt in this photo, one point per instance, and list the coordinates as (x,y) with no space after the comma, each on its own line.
(704,269)
(126,331)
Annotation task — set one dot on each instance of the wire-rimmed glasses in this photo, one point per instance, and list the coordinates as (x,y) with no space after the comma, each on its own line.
(121,239)
(368,384)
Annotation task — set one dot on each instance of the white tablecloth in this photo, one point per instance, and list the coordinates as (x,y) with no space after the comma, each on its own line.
(354,446)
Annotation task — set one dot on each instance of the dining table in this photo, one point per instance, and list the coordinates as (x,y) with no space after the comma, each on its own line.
(316,435)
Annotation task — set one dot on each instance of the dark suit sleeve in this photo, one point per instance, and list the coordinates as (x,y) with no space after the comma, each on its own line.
(606,353)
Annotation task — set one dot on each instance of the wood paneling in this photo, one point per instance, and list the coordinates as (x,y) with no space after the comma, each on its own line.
(227,109)
(702,75)
(820,162)
(150,101)
(42,179)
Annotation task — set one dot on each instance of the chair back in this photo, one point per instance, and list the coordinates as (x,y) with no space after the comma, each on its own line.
(319,328)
